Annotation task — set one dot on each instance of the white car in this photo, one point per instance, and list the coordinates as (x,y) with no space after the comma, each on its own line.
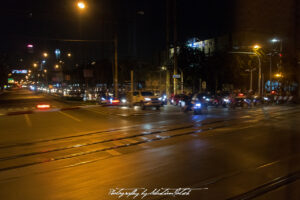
(146,99)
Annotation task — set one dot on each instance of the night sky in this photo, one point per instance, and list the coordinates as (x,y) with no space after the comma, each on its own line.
(46,22)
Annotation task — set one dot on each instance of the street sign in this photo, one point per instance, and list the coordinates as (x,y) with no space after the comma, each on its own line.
(176,76)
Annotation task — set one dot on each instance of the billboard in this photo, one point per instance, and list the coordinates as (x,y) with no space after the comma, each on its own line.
(19,71)
(11,80)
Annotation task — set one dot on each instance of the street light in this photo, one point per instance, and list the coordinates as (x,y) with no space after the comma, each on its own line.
(45,55)
(81,5)
(35,65)
(256,47)
(275,40)
(69,55)
(56,66)
(45,70)
(278,75)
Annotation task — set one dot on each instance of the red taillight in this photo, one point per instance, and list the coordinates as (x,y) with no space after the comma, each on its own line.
(241,94)
(115,101)
(43,106)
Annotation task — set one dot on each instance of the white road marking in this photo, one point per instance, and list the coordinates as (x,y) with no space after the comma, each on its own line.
(131,140)
(28,121)
(70,116)
(118,143)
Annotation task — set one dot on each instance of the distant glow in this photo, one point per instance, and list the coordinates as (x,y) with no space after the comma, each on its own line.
(45,70)
(56,66)
(44,61)
(29,46)
(34,65)
(147,99)
(57,53)
(274,40)
(266,98)
(45,55)
(81,5)
(241,94)
(123,100)
(69,54)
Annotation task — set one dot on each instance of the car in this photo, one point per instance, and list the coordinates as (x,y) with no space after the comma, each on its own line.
(146,99)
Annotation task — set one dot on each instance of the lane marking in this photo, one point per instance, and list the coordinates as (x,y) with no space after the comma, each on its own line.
(70,116)
(28,121)
(113,152)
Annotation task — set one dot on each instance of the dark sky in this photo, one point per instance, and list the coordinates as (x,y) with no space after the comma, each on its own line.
(45,21)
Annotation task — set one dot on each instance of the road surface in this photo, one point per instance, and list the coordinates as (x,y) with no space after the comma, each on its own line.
(95,152)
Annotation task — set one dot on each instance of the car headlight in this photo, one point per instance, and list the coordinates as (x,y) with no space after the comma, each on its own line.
(207,99)
(102,98)
(198,105)
(123,100)
(266,98)
(147,99)
(226,100)
(159,98)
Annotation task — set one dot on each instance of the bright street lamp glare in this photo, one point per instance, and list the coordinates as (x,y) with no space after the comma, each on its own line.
(45,55)
(274,40)
(81,5)
(256,47)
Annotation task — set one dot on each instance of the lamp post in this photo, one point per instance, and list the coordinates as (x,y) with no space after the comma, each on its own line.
(256,48)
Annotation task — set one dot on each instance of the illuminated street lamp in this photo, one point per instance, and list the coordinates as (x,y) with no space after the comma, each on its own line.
(29,71)
(256,47)
(81,5)
(69,55)
(45,55)
(35,65)
(56,66)
(278,75)
(45,70)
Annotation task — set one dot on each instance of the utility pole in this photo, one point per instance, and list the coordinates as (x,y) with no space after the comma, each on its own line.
(116,65)
(167,83)
(175,48)
(167,47)
(131,88)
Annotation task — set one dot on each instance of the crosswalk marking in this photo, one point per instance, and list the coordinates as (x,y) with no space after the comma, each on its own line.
(28,121)
(113,152)
(131,140)
(96,111)
(70,116)
(117,143)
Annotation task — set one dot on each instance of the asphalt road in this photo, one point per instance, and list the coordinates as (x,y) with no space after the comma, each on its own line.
(87,153)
